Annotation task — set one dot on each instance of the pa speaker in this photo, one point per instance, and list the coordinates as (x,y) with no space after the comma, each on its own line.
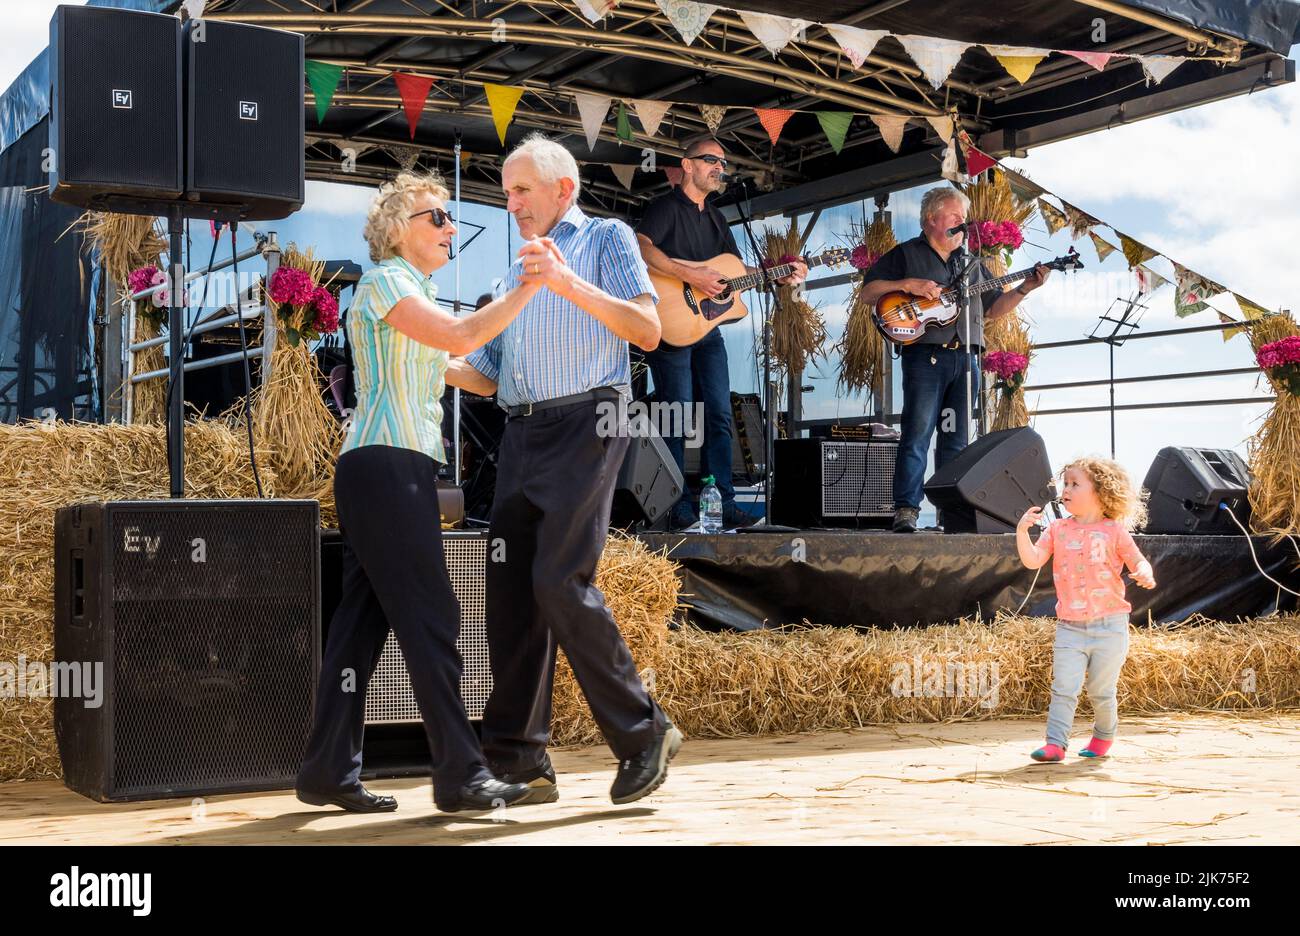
(649,482)
(1187,486)
(186,645)
(992,482)
(821,482)
(115,107)
(244,120)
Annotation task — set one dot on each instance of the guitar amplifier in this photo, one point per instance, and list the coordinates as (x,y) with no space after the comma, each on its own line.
(821,482)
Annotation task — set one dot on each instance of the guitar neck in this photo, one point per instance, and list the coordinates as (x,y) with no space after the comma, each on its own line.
(997,283)
(756,279)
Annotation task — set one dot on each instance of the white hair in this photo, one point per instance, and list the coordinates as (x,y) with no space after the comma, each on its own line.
(552,160)
(932,200)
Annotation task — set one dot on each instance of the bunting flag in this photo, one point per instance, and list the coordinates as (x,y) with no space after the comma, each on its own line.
(624,131)
(503,100)
(1228,320)
(1149,280)
(651,114)
(596,10)
(1080,221)
(1022,187)
(942,126)
(856,43)
(1191,291)
(1104,248)
(891,130)
(949,169)
(1158,67)
(324,80)
(1249,309)
(593,109)
(688,18)
(935,57)
(773,120)
(1134,252)
(1097,60)
(194,8)
(1054,218)
(414,91)
(774,32)
(625,173)
(713,114)
(835,124)
(674,175)
(1019,62)
(977,162)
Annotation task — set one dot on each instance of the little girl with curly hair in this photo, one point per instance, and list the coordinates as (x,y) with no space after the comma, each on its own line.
(1089,550)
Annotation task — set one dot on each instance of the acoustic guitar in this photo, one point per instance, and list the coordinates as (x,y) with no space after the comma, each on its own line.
(686,317)
(904,318)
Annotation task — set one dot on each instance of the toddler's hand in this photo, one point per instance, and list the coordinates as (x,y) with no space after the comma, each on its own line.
(1031,517)
(1144,576)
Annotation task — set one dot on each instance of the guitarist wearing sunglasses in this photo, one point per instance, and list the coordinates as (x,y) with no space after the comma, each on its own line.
(678,234)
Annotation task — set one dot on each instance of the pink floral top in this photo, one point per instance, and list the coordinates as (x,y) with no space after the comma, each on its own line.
(1087,561)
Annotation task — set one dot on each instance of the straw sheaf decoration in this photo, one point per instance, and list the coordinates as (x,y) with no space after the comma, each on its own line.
(798,331)
(1274,449)
(862,348)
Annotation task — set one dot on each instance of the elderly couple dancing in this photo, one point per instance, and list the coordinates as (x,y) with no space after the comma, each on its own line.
(552,345)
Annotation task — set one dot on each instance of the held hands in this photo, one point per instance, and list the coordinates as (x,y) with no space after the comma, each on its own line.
(1144,576)
(544,265)
(924,288)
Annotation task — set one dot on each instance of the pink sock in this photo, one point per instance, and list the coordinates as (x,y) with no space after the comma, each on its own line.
(1049,753)
(1096,748)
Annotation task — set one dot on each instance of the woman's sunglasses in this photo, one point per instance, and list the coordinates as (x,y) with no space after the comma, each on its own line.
(436,215)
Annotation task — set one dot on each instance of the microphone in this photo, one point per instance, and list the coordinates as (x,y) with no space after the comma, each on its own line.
(957,229)
(731,178)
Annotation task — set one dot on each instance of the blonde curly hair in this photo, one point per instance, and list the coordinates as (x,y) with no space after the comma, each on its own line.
(1121,500)
(389,213)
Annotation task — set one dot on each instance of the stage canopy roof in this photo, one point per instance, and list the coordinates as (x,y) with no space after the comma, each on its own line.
(549,49)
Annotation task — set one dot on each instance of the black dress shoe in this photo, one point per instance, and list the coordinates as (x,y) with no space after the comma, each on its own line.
(540,781)
(487,793)
(358,800)
(643,774)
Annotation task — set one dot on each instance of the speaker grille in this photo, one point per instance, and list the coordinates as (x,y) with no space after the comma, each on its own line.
(858,478)
(99,57)
(246,113)
(389,698)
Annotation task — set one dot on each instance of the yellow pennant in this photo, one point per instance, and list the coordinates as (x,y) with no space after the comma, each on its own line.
(1134,252)
(1020,67)
(503,100)
(1249,309)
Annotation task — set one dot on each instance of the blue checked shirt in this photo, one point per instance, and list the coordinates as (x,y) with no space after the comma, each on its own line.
(553,348)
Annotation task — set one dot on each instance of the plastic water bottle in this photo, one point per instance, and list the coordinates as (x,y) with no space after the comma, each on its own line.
(710,507)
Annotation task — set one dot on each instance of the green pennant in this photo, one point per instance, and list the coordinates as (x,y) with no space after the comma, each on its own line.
(624,127)
(835,124)
(324,79)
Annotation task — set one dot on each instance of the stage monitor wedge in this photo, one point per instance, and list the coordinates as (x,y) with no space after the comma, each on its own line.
(243,121)
(115,112)
(992,482)
(1188,484)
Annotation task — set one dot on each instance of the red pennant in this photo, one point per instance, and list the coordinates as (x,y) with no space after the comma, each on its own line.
(977,162)
(674,174)
(773,120)
(414,90)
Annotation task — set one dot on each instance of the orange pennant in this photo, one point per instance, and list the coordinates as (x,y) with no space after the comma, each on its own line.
(773,120)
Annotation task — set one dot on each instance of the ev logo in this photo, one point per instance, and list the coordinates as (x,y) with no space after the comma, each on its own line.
(247,110)
(121,99)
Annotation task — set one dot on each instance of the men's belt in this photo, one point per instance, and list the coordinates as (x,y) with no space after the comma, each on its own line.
(528,409)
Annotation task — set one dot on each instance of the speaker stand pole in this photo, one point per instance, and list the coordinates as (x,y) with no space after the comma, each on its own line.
(176,380)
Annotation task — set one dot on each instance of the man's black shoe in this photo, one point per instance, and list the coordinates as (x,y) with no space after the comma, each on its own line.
(733,518)
(540,781)
(486,793)
(644,773)
(359,800)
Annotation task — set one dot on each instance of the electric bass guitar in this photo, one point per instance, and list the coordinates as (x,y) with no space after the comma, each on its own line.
(904,318)
(687,316)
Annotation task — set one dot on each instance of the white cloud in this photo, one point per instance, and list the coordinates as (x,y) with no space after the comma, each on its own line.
(339,198)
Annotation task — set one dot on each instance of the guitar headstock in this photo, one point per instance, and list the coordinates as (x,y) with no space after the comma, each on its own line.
(1069,261)
(836,256)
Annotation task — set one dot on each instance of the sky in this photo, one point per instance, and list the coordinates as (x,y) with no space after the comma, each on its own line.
(1214,188)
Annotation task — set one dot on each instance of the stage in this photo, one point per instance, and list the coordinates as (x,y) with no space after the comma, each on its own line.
(846,578)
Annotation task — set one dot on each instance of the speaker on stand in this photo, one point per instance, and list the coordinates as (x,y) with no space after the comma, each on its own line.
(1187,486)
(992,482)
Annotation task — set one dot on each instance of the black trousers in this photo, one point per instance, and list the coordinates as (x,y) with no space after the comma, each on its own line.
(394,575)
(550,517)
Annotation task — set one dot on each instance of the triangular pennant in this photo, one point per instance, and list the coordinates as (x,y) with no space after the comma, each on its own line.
(891,129)
(1158,67)
(1019,62)
(624,131)
(624,172)
(856,43)
(674,174)
(935,57)
(1023,188)
(593,109)
(689,19)
(1097,60)
(1148,280)
(942,126)
(1080,221)
(977,162)
(773,120)
(194,8)
(835,124)
(651,114)
(1191,290)
(324,80)
(1134,252)
(949,169)
(503,100)
(1227,320)
(414,90)
(1053,217)
(596,10)
(774,32)
(713,114)
(1104,247)
(1249,309)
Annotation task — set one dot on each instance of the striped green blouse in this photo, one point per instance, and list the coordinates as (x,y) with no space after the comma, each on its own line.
(399,381)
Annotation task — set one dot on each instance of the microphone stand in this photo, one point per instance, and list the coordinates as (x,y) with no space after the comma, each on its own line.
(974,405)
(769,293)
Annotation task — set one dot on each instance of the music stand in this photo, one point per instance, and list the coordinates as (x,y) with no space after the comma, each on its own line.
(1128,319)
